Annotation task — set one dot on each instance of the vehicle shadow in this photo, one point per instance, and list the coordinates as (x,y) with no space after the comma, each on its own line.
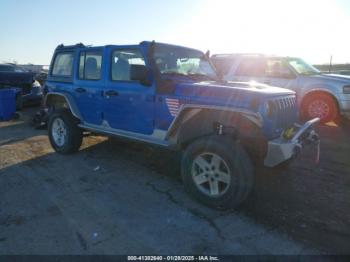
(159,160)
(17,132)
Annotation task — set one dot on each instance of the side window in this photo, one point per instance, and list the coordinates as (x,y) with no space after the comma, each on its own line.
(63,65)
(121,61)
(90,63)
(251,67)
(276,68)
(223,65)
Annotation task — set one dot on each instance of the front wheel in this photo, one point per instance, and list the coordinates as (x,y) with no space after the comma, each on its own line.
(64,134)
(217,171)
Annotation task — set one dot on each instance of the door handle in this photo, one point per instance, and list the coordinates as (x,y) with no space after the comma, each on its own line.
(80,90)
(111,93)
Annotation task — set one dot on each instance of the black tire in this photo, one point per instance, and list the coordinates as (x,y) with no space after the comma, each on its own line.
(239,165)
(74,135)
(19,103)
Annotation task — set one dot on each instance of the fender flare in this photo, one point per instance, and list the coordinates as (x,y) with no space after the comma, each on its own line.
(69,101)
(187,112)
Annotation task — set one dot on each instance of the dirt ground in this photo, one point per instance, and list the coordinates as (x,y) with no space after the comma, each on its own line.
(117,197)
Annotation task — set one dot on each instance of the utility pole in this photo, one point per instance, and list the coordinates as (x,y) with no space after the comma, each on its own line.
(330,64)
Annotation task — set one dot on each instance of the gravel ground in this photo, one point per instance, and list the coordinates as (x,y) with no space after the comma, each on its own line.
(116,197)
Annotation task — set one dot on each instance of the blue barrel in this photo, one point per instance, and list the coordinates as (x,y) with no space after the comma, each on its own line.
(7,104)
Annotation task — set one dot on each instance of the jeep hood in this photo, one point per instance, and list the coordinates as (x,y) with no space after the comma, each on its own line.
(230,89)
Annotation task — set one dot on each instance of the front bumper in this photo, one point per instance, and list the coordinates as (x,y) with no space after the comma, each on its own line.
(282,149)
(344,106)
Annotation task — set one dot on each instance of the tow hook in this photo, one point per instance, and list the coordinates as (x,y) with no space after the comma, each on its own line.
(218,128)
(314,138)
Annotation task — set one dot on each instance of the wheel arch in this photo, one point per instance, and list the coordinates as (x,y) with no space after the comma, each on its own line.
(59,100)
(239,124)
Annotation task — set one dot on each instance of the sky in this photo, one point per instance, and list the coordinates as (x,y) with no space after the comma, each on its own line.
(314,30)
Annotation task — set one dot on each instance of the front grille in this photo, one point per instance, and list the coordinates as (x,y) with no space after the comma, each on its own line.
(285,111)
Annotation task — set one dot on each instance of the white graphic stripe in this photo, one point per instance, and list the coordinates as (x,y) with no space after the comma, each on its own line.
(173,106)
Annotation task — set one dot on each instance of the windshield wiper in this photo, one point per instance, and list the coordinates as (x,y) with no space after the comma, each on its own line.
(196,75)
(173,74)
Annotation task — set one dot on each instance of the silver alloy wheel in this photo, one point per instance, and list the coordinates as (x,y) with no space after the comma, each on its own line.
(59,132)
(211,174)
(318,108)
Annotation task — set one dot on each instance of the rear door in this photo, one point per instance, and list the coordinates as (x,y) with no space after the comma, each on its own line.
(128,105)
(88,85)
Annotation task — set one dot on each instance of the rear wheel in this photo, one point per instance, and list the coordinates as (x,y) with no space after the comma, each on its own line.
(64,134)
(322,106)
(217,171)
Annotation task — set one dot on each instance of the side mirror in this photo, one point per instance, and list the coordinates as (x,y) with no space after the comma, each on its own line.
(139,73)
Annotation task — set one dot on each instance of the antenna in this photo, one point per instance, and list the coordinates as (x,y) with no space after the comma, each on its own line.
(330,64)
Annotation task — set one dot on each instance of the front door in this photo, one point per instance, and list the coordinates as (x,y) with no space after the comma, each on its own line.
(128,105)
(278,74)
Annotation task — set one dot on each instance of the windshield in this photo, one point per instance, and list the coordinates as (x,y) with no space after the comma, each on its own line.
(301,67)
(172,60)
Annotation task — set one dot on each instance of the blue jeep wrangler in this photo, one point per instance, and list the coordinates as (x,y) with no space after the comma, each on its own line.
(170,96)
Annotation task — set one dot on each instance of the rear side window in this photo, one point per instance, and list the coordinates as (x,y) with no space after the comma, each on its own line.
(252,67)
(63,65)
(121,61)
(90,65)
